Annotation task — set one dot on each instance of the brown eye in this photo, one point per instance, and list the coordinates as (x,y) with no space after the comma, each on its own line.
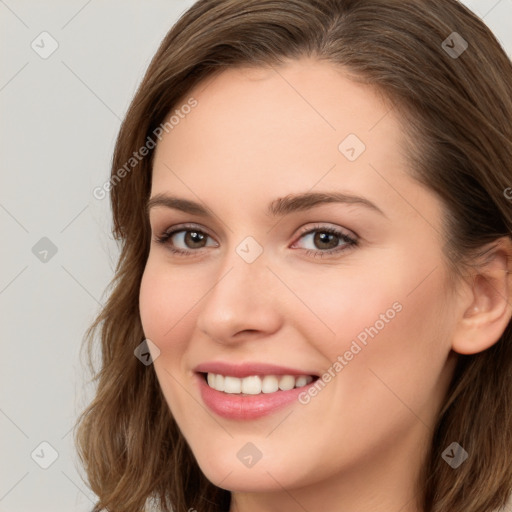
(186,240)
(194,239)
(324,240)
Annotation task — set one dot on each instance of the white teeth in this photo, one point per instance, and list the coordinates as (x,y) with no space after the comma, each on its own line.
(219,382)
(303,381)
(251,385)
(286,382)
(270,384)
(232,385)
(254,385)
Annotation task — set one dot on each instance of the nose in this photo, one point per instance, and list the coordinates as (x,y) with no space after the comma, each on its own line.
(242,303)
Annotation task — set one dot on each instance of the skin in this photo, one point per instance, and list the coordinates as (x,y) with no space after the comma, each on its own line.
(262,134)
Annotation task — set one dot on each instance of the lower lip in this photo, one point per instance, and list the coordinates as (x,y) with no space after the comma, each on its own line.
(247,407)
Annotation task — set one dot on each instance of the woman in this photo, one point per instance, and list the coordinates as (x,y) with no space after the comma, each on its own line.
(311,202)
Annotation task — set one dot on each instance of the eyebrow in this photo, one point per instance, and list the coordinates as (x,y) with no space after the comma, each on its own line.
(277,208)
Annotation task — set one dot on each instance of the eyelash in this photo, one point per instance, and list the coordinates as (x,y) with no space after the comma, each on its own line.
(350,242)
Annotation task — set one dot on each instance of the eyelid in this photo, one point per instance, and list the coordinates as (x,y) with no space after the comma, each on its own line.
(326,227)
(186,226)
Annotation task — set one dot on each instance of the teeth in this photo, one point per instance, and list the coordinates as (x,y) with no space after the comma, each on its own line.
(219,382)
(286,382)
(251,385)
(302,381)
(254,385)
(232,385)
(270,384)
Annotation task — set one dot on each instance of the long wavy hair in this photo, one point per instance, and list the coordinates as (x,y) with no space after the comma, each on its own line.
(457,115)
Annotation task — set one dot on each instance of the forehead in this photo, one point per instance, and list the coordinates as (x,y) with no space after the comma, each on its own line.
(287,109)
(279,130)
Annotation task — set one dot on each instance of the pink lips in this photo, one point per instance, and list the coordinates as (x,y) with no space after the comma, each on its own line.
(246,407)
(247,369)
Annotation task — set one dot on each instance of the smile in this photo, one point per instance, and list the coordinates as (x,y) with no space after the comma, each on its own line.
(255,384)
(250,391)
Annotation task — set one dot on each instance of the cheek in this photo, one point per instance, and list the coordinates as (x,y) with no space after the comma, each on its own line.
(392,329)
(398,375)
(402,362)
(166,302)
(165,305)
(337,308)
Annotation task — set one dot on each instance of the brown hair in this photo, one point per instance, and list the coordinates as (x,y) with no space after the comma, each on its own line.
(457,113)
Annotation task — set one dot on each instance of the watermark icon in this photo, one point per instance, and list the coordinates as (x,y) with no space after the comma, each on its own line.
(147,352)
(249,249)
(137,156)
(454,455)
(44,250)
(351,147)
(508,193)
(249,455)
(44,455)
(454,45)
(343,360)
(44,45)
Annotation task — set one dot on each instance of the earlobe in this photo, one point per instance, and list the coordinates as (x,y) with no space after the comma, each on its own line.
(486,308)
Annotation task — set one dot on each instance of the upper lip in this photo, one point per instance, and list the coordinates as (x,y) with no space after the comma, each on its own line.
(247,369)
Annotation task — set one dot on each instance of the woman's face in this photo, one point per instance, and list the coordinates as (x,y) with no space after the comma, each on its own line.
(308,251)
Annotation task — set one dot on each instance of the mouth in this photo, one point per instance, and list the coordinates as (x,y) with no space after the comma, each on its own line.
(256,384)
(252,390)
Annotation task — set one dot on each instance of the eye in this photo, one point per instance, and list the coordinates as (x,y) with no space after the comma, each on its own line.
(184,240)
(326,240)
(322,240)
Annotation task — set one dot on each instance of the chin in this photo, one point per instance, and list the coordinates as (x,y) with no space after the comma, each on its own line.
(243,480)
(228,472)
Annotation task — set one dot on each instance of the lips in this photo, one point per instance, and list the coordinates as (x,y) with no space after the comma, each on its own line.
(250,390)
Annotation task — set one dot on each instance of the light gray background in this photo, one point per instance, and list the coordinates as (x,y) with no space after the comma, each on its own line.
(59,120)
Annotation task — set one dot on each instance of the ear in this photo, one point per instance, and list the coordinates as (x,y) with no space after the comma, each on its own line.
(485,307)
